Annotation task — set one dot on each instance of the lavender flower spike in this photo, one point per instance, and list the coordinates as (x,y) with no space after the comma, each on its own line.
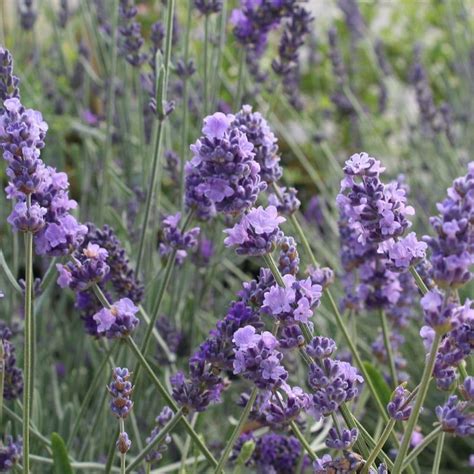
(118,321)
(121,391)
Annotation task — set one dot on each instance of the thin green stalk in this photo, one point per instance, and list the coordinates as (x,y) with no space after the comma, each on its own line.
(424,384)
(206,60)
(240,80)
(170,401)
(302,440)
(379,446)
(28,346)
(388,348)
(438,453)
(156,441)
(2,377)
(104,182)
(237,430)
(122,455)
(89,466)
(419,281)
(421,447)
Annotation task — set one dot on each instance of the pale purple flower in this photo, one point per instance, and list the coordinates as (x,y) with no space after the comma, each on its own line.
(117,321)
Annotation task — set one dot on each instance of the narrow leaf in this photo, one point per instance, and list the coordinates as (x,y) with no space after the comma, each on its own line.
(382,388)
(60,457)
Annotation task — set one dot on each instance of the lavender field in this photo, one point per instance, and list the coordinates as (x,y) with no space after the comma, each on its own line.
(237,236)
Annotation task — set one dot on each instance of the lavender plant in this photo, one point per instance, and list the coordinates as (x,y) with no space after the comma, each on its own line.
(197,222)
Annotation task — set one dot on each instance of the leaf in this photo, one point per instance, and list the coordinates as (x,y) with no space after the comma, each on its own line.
(381,387)
(61,462)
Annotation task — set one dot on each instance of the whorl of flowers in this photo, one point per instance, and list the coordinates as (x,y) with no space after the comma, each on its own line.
(117,321)
(456,417)
(207,7)
(8,81)
(28,14)
(130,39)
(452,251)
(287,203)
(256,233)
(288,260)
(12,375)
(10,453)
(399,407)
(343,441)
(160,421)
(223,175)
(257,358)
(120,389)
(294,302)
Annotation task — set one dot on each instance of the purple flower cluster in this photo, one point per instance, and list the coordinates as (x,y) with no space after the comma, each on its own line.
(172,238)
(333,382)
(121,390)
(456,417)
(404,252)
(279,409)
(294,302)
(123,443)
(207,7)
(10,453)
(12,375)
(349,462)
(288,203)
(323,276)
(288,260)
(256,233)
(27,13)
(453,248)
(264,142)
(161,420)
(273,453)
(131,39)
(399,407)
(117,321)
(86,268)
(223,175)
(8,81)
(257,358)
(343,441)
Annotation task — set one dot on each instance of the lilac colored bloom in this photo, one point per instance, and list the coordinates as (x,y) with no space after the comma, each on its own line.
(8,81)
(160,421)
(456,417)
(437,313)
(348,463)
(342,441)
(12,375)
(333,383)
(321,347)
(172,238)
(288,260)
(288,204)
(223,173)
(117,321)
(88,267)
(453,248)
(257,358)
(323,276)
(264,142)
(416,438)
(121,390)
(280,410)
(207,7)
(130,39)
(27,219)
(123,443)
(467,389)
(294,302)
(403,253)
(399,408)
(256,233)
(314,213)
(10,453)
(27,13)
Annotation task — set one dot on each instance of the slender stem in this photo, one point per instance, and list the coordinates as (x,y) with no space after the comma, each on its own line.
(206,60)
(424,384)
(156,441)
(237,430)
(241,80)
(2,377)
(438,454)
(388,348)
(379,446)
(419,281)
(122,455)
(101,297)
(302,440)
(28,344)
(169,400)
(104,182)
(422,446)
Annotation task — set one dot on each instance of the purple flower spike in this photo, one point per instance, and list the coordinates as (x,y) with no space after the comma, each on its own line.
(321,347)
(10,453)
(467,389)
(437,314)
(288,204)
(27,219)
(403,253)
(161,420)
(256,233)
(343,441)
(118,321)
(8,81)
(398,408)
(121,391)
(455,417)
(123,443)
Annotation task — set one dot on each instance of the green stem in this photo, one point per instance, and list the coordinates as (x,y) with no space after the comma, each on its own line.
(122,455)
(28,345)
(169,401)
(419,281)
(104,182)
(421,447)
(156,441)
(439,453)
(388,348)
(237,430)
(379,446)
(241,80)
(424,384)
(206,60)
(2,377)
(302,440)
